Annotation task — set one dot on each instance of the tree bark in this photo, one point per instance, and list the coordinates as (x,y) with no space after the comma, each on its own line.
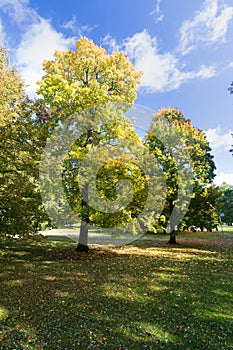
(172,239)
(83,235)
(83,238)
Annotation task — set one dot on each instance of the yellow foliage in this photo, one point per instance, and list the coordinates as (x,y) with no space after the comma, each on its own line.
(88,76)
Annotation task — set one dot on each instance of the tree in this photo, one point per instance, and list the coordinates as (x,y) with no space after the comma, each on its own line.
(181,143)
(20,204)
(117,182)
(77,81)
(203,211)
(226,204)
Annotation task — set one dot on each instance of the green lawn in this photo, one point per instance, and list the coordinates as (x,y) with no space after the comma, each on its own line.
(225,228)
(146,295)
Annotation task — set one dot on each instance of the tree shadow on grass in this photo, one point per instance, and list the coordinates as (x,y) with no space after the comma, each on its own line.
(143,296)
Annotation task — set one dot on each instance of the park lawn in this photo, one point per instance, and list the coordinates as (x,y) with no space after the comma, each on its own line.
(147,295)
(225,228)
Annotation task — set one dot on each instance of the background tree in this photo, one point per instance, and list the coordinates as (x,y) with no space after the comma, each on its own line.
(191,140)
(203,211)
(20,204)
(226,203)
(75,81)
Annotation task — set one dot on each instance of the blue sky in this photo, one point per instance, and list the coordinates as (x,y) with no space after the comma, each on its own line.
(184,48)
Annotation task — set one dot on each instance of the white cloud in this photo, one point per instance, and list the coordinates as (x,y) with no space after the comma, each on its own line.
(111,43)
(85,29)
(222,177)
(209,26)
(72,24)
(220,142)
(39,43)
(2,34)
(79,29)
(219,139)
(205,72)
(19,10)
(166,71)
(230,65)
(39,40)
(161,71)
(156,13)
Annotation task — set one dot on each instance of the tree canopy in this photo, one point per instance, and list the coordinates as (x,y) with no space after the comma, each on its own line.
(203,211)
(184,146)
(225,204)
(20,209)
(76,82)
(83,96)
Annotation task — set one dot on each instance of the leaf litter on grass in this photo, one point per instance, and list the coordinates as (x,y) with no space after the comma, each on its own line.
(144,295)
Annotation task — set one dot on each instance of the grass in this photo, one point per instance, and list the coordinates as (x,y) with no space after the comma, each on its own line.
(225,228)
(147,295)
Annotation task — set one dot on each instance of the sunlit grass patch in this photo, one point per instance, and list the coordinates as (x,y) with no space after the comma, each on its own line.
(225,228)
(147,295)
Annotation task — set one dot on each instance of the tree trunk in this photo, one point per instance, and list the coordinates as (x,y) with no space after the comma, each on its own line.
(172,239)
(83,238)
(83,235)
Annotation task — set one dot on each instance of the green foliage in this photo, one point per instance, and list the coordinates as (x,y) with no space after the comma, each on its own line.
(97,88)
(183,139)
(11,90)
(226,204)
(20,204)
(108,174)
(203,211)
